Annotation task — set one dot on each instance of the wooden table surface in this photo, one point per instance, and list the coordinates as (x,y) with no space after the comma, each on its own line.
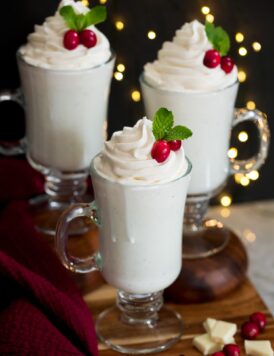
(235,307)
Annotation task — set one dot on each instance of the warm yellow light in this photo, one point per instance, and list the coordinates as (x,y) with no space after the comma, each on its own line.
(239,37)
(118,76)
(238,177)
(249,235)
(256,46)
(226,201)
(243,136)
(251,105)
(242,76)
(210,18)
(253,175)
(121,67)
(119,25)
(136,95)
(103,1)
(205,10)
(232,152)
(151,35)
(85,2)
(242,51)
(225,212)
(244,181)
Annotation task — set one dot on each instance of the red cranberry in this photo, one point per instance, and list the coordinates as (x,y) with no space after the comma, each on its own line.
(259,319)
(175,145)
(231,350)
(250,330)
(212,58)
(219,353)
(88,38)
(71,39)
(160,151)
(227,64)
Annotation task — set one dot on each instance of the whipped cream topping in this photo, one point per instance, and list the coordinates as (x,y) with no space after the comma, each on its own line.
(45,45)
(180,67)
(126,158)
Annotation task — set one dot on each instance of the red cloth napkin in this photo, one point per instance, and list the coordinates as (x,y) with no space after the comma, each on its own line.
(41,310)
(18,180)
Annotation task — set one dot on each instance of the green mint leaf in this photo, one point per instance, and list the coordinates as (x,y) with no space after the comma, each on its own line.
(221,41)
(210,30)
(96,15)
(178,133)
(81,22)
(218,37)
(69,16)
(162,123)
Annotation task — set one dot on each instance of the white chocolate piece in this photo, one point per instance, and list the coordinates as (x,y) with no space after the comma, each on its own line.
(209,324)
(258,348)
(206,345)
(223,331)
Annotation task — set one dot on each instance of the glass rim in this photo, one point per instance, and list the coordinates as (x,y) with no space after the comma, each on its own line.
(176,92)
(20,58)
(109,180)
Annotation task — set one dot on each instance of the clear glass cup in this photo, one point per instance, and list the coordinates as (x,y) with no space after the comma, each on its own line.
(140,239)
(211,116)
(66,121)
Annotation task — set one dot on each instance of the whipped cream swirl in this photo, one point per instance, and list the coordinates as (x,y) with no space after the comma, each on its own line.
(126,158)
(180,67)
(45,46)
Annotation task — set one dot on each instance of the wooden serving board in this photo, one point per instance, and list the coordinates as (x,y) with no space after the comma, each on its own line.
(235,307)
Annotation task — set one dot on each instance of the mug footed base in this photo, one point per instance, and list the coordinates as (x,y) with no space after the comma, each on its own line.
(211,238)
(141,338)
(46,213)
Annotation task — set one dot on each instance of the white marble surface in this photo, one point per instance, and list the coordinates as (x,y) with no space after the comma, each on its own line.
(254,223)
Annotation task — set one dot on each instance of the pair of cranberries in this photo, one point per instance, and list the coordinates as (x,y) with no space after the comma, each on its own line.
(86,37)
(161,149)
(229,350)
(250,330)
(213,58)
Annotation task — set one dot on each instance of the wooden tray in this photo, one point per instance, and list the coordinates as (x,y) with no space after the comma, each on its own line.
(235,307)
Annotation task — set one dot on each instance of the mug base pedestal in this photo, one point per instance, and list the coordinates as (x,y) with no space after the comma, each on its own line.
(209,278)
(142,338)
(45,216)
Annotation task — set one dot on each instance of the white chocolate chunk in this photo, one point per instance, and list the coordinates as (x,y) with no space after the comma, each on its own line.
(258,348)
(206,345)
(223,331)
(209,324)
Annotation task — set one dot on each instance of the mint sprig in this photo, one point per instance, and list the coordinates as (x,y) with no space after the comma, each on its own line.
(163,129)
(218,37)
(79,22)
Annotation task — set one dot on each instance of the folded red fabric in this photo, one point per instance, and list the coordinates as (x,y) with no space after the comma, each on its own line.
(18,180)
(41,310)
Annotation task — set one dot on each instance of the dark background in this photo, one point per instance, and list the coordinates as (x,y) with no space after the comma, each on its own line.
(133,48)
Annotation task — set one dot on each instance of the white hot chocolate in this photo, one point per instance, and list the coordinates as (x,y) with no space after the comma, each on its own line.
(141,205)
(66,94)
(201,98)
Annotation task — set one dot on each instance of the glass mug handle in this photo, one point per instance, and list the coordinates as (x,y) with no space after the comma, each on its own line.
(16,148)
(260,121)
(72,263)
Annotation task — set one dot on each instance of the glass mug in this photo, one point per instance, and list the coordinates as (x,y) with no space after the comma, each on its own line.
(66,113)
(140,238)
(211,116)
